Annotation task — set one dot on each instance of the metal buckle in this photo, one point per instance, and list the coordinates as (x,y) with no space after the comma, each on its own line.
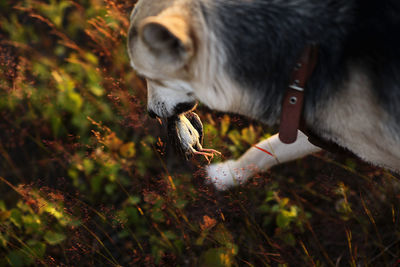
(297,88)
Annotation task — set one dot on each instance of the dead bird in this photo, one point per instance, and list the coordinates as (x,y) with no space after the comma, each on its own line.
(185,131)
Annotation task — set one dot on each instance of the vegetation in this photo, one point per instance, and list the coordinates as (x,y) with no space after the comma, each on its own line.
(86,178)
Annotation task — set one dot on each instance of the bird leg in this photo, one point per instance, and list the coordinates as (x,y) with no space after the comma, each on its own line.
(207,153)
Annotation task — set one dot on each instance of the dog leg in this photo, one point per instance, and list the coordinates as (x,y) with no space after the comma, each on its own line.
(260,157)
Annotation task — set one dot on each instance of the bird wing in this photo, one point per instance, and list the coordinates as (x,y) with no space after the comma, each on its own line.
(194,119)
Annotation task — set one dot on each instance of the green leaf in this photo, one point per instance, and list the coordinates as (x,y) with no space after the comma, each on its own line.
(96,182)
(97,90)
(225,122)
(4,215)
(131,214)
(283,220)
(179,244)
(275,208)
(249,135)
(157,216)
(2,205)
(351,164)
(3,240)
(170,235)
(110,189)
(35,248)
(91,58)
(16,218)
(270,196)
(217,257)
(16,258)
(235,137)
(133,200)
(264,208)
(284,202)
(289,239)
(88,166)
(56,124)
(31,222)
(267,221)
(54,238)
(73,102)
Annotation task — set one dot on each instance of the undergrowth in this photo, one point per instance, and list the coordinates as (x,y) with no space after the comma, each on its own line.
(87,179)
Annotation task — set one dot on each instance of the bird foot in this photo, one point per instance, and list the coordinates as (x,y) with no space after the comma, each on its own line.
(207,153)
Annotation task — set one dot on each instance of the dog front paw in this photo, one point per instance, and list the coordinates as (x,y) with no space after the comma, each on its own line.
(224,175)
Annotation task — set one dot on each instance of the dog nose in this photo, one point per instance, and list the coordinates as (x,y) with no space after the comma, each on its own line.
(176,110)
(183,107)
(152,114)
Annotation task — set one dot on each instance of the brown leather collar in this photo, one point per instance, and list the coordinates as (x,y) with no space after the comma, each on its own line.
(292,105)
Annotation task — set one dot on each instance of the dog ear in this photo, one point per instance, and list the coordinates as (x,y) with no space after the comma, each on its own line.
(168,38)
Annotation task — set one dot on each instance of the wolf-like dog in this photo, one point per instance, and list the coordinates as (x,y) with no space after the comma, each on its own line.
(238,55)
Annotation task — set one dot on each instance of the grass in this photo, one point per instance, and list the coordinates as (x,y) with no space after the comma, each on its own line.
(86,178)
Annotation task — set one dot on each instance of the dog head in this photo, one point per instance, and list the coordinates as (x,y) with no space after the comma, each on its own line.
(169,45)
(161,46)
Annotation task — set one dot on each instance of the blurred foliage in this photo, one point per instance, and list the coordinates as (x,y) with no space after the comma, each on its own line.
(87,179)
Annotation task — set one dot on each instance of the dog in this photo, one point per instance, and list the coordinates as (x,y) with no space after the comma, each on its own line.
(238,56)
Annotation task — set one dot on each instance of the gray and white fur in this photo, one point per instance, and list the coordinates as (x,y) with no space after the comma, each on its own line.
(238,55)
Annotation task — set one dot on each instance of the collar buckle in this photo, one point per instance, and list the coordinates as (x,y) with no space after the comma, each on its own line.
(292,105)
